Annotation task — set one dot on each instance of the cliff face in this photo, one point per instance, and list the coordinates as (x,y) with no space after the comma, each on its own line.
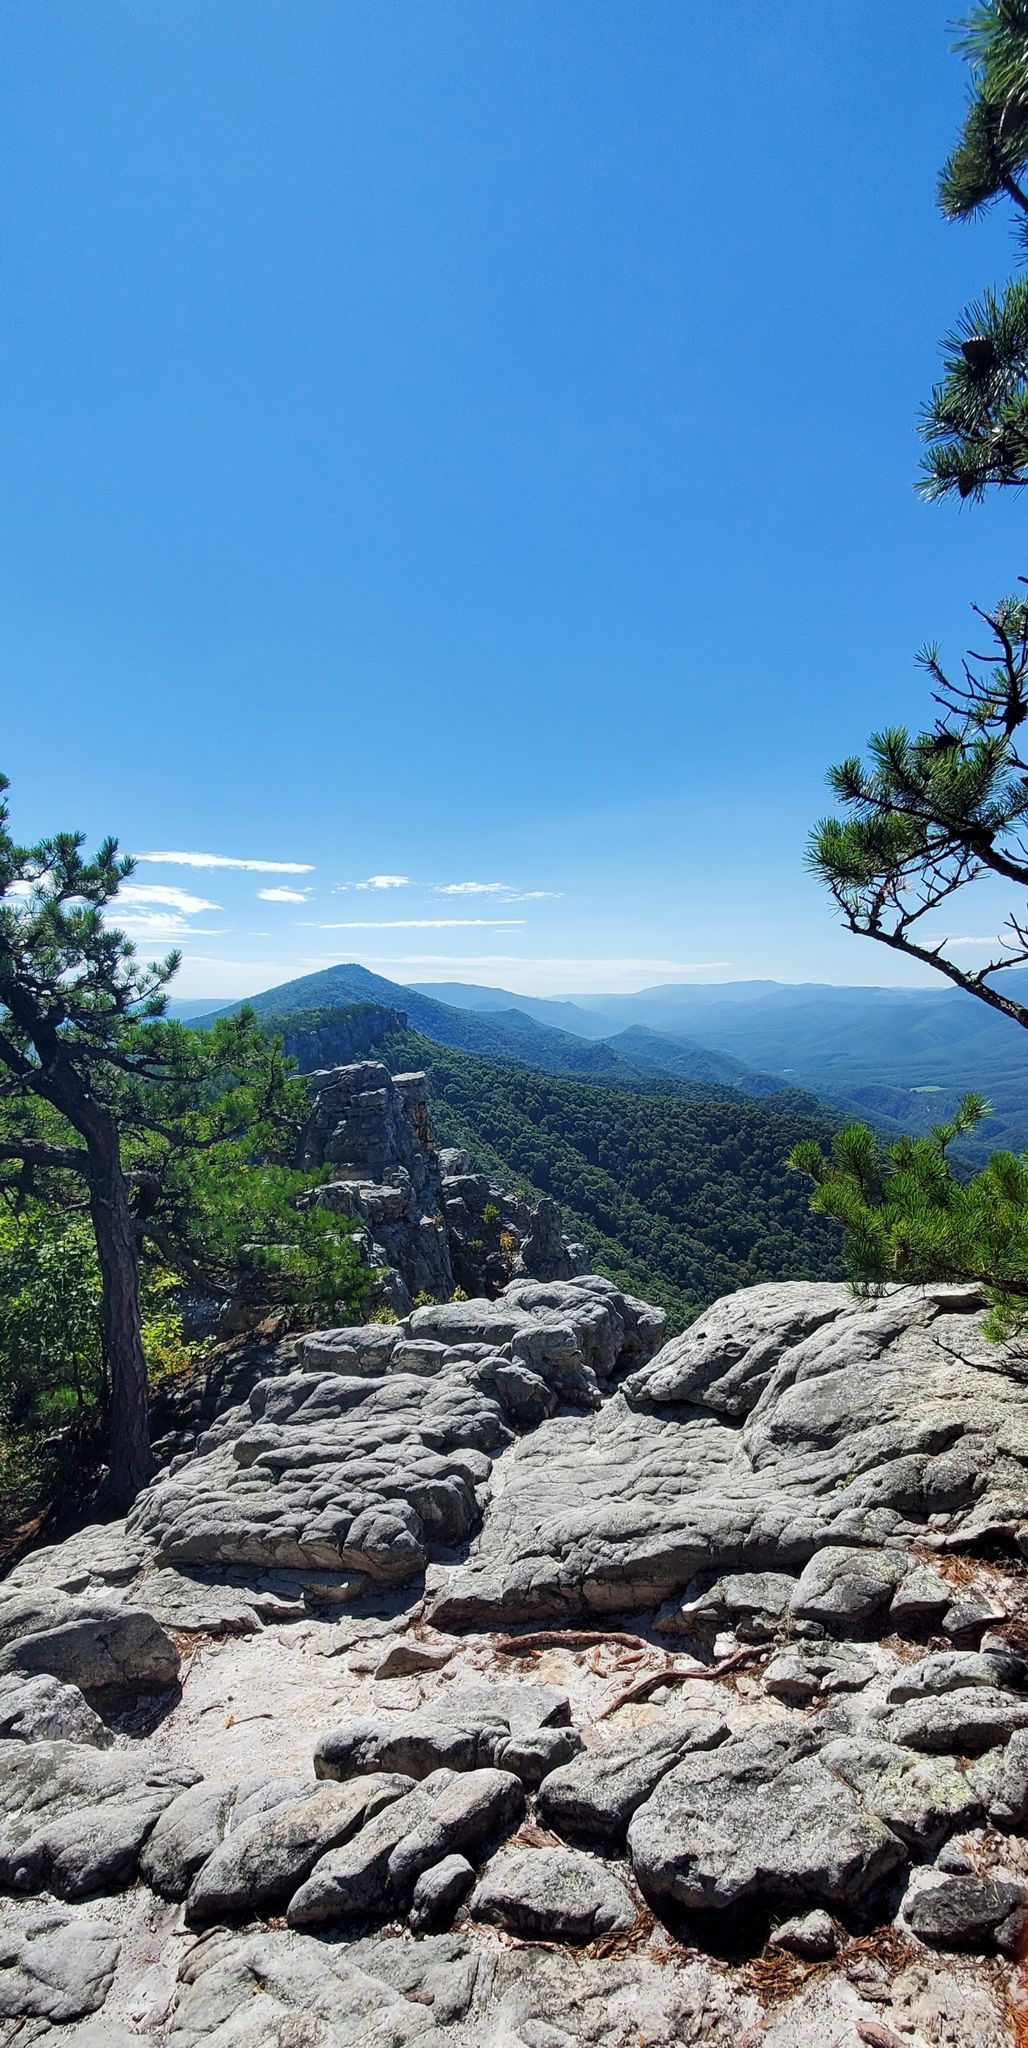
(425,1219)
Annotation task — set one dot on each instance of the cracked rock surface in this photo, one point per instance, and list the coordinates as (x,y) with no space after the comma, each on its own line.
(533,1684)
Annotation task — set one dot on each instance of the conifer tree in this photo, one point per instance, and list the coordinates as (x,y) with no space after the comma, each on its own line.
(935,811)
(976,422)
(180,1140)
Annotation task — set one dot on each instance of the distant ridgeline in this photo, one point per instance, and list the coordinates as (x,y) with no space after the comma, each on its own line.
(678,1189)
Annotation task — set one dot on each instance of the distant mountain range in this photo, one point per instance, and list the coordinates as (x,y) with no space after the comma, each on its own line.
(902,1057)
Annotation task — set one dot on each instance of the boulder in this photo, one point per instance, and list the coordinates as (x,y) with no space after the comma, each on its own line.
(73,1819)
(921,1798)
(438,1892)
(952,1670)
(759,1818)
(964,1722)
(811,1671)
(979,1913)
(1000,1781)
(552,1895)
(186,1834)
(352,1883)
(844,1588)
(92,1642)
(922,1596)
(813,1936)
(261,1863)
(467,1816)
(42,1710)
(54,1967)
(595,1795)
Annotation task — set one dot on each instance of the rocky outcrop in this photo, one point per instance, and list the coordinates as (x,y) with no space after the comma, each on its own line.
(424,1220)
(377,1452)
(805,1730)
(789,1426)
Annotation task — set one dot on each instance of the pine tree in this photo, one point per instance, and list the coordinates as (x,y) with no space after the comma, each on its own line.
(938,810)
(976,422)
(181,1141)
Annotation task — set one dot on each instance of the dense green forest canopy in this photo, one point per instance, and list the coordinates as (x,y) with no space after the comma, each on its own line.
(678,1196)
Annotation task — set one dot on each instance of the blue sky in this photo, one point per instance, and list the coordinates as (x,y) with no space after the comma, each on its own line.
(448,444)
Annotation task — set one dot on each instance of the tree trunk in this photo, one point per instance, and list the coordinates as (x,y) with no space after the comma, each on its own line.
(130,1457)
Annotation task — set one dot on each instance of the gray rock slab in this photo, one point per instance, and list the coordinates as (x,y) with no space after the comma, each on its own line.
(921,1798)
(726,1358)
(845,1426)
(595,1795)
(552,1895)
(261,1862)
(964,1723)
(74,1819)
(182,1600)
(507,1728)
(43,1709)
(759,1818)
(90,1641)
(54,1966)
(277,1989)
(101,1555)
(369,1469)
(186,1834)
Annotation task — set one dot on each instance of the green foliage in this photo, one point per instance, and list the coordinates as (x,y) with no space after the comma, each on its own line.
(53,1378)
(678,1197)
(976,423)
(937,810)
(51,1354)
(490,1215)
(906,1216)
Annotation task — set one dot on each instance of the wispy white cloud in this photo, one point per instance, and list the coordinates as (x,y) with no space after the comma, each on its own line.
(418,924)
(159,927)
(503,890)
(385,882)
(167,896)
(283,895)
(472,889)
(224,860)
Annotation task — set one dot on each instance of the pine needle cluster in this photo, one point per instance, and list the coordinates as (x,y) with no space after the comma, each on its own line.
(976,421)
(907,1217)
